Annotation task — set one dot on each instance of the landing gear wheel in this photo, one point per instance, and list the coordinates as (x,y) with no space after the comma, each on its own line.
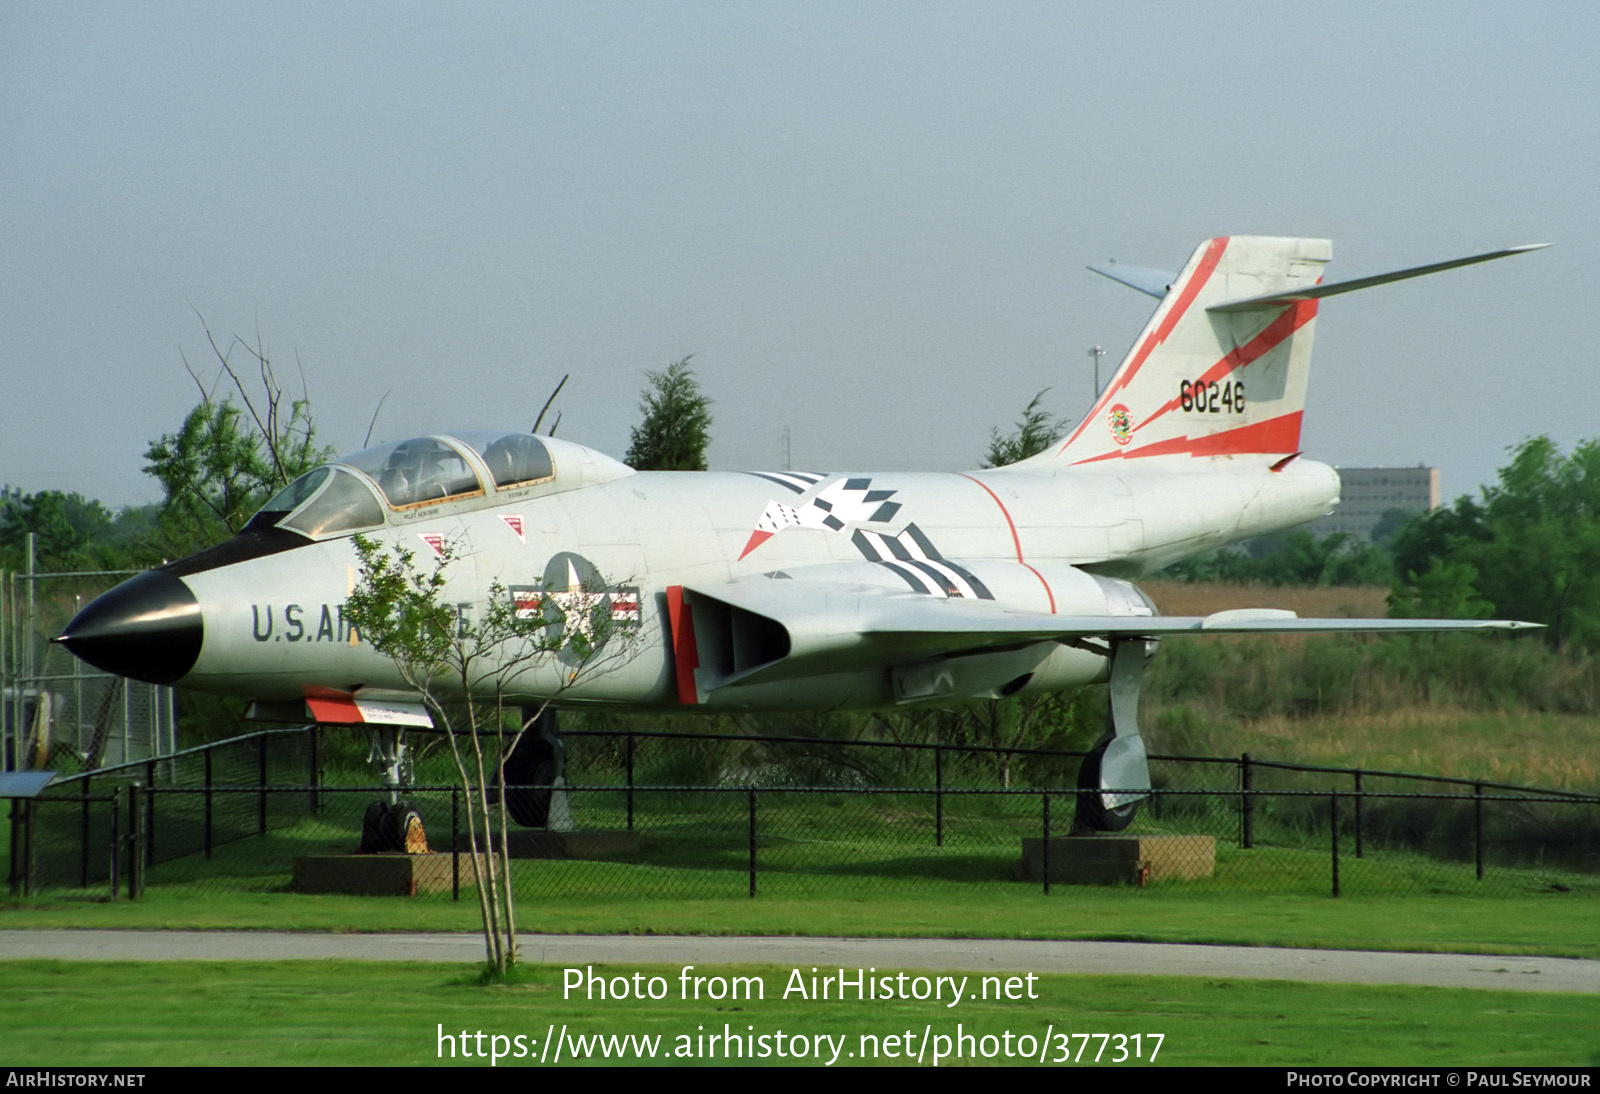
(405,827)
(1092,814)
(374,829)
(529,771)
(397,827)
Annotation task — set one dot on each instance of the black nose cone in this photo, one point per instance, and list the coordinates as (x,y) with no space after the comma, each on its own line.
(148,628)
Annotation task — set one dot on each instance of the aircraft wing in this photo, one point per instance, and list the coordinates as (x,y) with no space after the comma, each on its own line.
(1236,621)
(750,632)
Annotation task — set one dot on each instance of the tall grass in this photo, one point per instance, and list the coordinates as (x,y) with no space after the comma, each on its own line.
(1473,706)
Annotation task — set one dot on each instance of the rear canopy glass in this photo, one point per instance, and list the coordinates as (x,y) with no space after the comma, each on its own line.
(513,458)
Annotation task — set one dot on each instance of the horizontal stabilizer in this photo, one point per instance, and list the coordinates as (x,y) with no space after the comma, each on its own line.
(1317,292)
(1148,281)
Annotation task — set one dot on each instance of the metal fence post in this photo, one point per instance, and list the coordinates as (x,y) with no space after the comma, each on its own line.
(261,766)
(752,842)
(938,796)
(22,879)
(455,844)
(1247,806)
(627,753)
(1333,827)
(116,841)
(1477,827)
(135,842)
(13,875)
(207,823)
(314,765)
(148,831)
(30,864)
(1044,848)
(83,835)
(1359,796)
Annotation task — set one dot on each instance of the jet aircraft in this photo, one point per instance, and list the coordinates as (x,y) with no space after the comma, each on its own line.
(803,590)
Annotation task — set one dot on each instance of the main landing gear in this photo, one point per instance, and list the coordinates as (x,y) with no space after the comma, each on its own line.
(1115,775)
(533,770)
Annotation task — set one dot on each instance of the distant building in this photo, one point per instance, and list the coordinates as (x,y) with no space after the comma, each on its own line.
(1368,493)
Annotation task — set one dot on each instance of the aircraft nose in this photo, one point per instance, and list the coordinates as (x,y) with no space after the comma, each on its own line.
(148,627)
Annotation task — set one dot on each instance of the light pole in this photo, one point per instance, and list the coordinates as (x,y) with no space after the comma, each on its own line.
(1097,352)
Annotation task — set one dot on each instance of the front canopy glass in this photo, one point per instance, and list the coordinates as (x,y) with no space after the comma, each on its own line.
(349,494)
(345,504)
(419,471)
(322,502)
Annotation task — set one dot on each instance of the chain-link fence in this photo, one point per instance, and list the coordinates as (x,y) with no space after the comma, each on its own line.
(79,835)
(241,816)
(56,713)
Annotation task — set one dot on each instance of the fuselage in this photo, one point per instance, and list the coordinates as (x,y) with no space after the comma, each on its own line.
(788,589)
(1064,541)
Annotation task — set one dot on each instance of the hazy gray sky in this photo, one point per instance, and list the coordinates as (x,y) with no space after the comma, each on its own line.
(867,221)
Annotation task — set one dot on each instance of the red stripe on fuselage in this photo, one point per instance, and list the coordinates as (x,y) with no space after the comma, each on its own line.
(1275,435)
(1191,289)
(1275,333)
(1016,541)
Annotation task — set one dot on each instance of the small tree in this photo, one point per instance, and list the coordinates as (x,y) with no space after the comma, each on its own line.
(464,664)
(227,459)
(1034,431)
(677,423)
(1529,549)
(71,532)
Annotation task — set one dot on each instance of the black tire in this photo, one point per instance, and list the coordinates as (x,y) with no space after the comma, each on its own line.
(374,829)
(402,819)
(1092,814)
(529,771)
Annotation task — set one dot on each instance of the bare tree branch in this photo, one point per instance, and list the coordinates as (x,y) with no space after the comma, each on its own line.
(374,423)
(546,406)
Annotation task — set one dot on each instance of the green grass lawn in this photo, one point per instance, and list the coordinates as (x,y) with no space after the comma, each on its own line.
(839,866)
(846,864)
(133,1015)
(1555,924)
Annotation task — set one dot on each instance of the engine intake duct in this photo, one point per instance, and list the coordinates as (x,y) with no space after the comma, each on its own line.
(734,642)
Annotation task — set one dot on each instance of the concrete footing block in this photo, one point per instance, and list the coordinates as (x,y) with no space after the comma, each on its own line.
(1120,860)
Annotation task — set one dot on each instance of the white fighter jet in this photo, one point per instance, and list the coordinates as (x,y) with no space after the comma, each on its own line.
(803,590)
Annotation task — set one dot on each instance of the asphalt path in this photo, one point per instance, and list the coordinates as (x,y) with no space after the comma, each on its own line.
(1445,970)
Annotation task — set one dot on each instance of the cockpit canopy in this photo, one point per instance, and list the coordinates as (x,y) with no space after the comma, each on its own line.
(366,489)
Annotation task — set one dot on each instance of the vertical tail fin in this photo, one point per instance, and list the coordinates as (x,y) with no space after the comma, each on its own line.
(1220,370)
(1217,371)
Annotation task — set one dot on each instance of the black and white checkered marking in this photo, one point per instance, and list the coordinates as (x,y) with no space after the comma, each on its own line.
(798,481)
(919,564)
(844,503)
